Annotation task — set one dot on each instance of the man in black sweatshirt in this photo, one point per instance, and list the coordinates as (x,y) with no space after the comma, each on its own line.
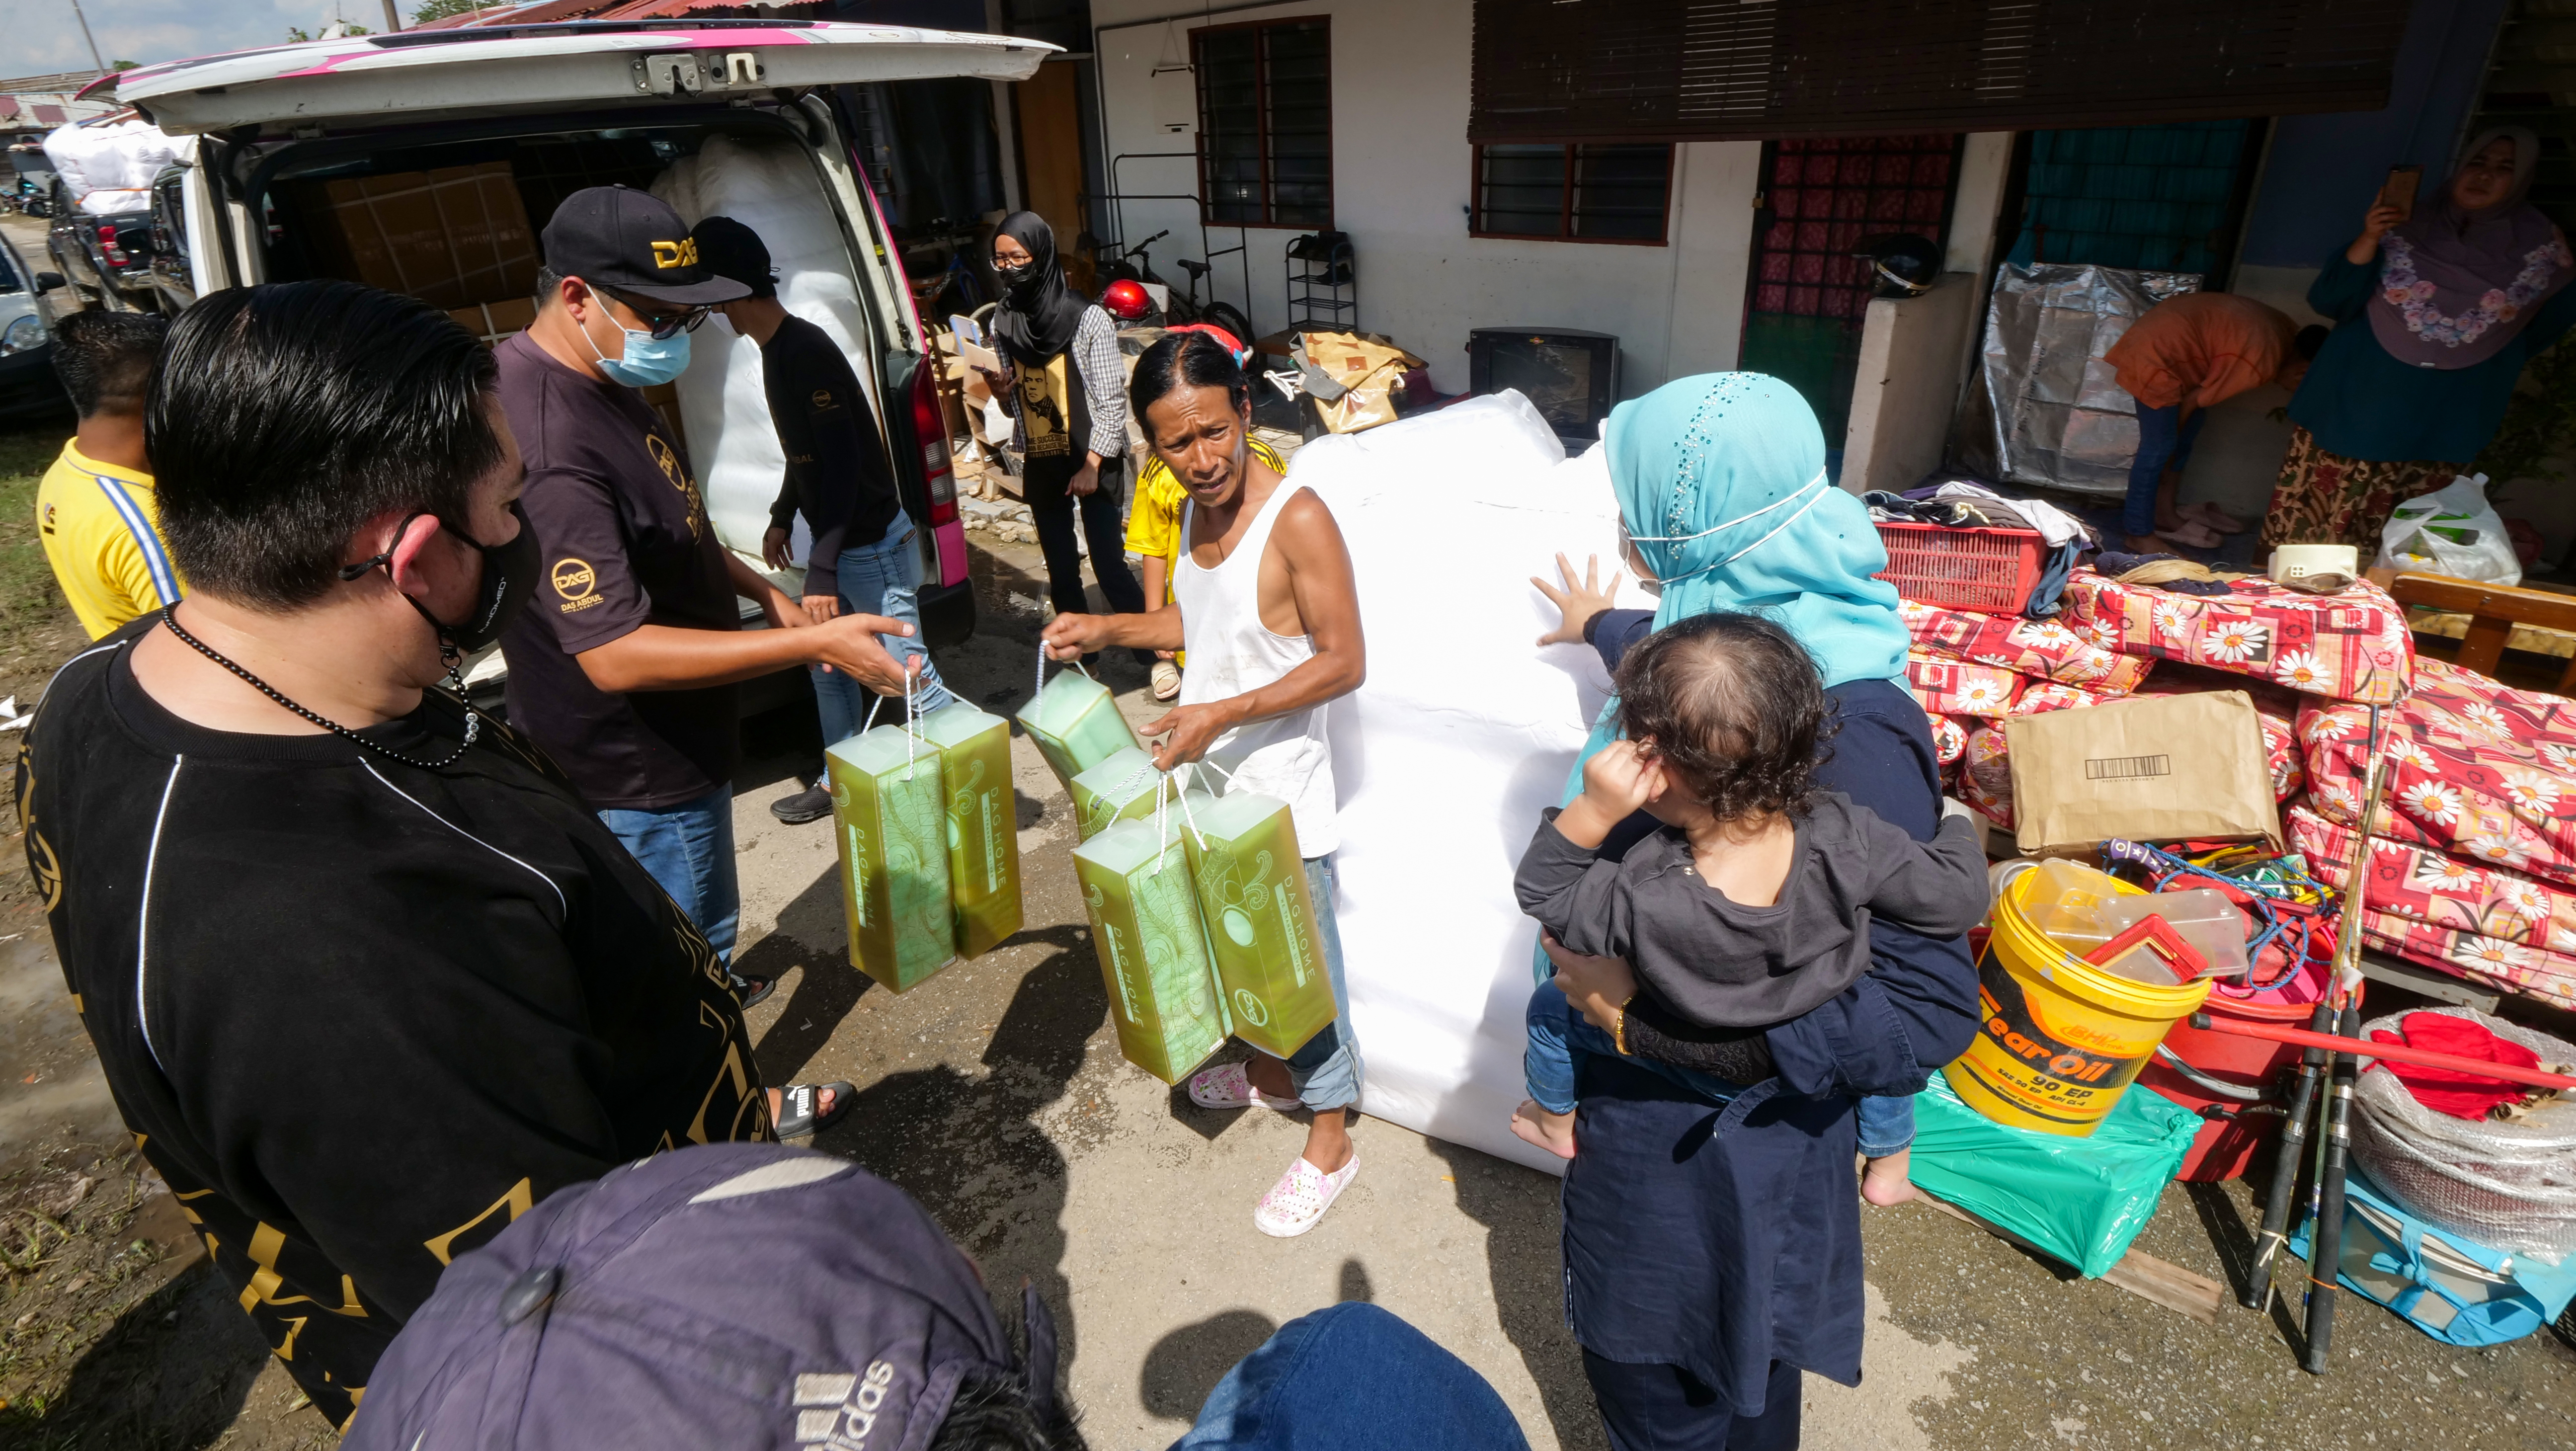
(367,977)
(866,556)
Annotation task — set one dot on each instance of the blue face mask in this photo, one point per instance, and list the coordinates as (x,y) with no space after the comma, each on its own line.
(646,361)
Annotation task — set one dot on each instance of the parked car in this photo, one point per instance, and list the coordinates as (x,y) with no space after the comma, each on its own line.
(106,258)
(327,159)
(29,390)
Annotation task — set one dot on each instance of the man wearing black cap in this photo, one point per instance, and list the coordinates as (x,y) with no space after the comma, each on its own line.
(624,669)
(863,558)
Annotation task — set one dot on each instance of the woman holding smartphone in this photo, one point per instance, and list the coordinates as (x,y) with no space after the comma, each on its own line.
(2437,313)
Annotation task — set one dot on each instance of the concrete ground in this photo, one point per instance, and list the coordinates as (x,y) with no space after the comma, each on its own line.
(995,1093)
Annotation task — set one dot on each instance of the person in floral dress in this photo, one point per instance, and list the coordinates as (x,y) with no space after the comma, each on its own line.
(2437,314)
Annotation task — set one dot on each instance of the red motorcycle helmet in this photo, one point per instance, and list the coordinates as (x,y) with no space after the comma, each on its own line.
(1127,301)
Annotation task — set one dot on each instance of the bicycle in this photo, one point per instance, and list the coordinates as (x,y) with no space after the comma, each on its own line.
(1181,307)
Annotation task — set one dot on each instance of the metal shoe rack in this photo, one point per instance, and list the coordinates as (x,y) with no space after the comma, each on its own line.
(1323,284)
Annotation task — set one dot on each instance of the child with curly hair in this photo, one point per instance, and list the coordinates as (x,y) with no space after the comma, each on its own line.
(1752,903)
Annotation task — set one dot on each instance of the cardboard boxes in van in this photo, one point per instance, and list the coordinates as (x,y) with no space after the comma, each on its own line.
(452,237)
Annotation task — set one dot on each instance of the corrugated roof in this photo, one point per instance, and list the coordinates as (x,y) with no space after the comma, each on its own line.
(61,82)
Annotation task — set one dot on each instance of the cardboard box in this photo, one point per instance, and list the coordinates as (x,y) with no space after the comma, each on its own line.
(450,237)
(494,322)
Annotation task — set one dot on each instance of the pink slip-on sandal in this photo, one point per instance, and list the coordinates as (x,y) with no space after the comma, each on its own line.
(1227,1085)
(1297,1202)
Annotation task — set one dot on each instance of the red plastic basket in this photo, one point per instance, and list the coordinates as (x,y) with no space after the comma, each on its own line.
(1989,571)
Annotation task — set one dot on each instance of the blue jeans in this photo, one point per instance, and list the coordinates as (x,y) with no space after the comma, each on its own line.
(1557,1033)
(883,578)
(1355,1378)
(2164,442)
(1326,1071)
(689,850)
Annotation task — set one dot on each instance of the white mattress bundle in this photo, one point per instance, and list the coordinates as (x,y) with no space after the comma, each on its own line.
(771,188)
(108,168)
(1465,730)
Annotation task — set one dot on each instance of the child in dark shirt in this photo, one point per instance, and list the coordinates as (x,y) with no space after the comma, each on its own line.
(1751,905)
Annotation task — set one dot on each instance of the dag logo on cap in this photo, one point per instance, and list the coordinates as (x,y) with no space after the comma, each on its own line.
(632,241)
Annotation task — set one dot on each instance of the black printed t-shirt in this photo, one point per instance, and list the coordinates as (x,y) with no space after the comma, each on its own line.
(362,1015)
(837,471)
(626,542)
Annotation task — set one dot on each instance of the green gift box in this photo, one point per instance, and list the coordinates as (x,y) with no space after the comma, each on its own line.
(1122,788)
(1260,918)
(1075,724)
(1153,950)
(889,808)
(983,824)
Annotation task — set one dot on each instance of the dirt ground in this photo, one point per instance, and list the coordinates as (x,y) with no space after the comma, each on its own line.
(994,1093)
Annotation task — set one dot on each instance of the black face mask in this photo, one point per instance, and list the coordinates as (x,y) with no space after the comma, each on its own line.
(509,578)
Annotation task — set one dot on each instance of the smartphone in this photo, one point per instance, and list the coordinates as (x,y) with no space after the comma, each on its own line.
(2400,188)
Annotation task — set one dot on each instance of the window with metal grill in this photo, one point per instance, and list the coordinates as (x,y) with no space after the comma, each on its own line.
(1721,70)
(1266,123)
(1576,192)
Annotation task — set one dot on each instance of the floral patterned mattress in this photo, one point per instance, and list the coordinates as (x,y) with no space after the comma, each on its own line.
(2476,769)
(2350,646)
(2490,924)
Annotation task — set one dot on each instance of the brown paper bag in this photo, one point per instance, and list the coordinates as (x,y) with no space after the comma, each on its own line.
(2150,768)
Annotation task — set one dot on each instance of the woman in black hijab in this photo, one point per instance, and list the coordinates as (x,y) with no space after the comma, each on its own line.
(1066,389)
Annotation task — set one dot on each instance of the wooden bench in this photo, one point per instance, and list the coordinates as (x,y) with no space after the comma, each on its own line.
(2493,611)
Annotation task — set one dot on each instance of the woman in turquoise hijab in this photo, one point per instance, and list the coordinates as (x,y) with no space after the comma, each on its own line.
(1712,1234)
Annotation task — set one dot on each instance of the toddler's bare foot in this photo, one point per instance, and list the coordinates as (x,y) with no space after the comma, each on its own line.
(1553,1132)
(1883,1182)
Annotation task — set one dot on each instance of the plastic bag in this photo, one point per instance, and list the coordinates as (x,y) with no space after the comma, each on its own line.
(2507,1184)
(889,805)
(1152,946)
(2445,1285)
(1260,921)
(2451,531)
(983,824)
(2082,1200)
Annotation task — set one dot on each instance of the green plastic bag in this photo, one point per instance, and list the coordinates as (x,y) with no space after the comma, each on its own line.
(1075,723)
(889,806)
(1260,920)
(983,824)
(2081,1200)
(1122,788)
(1152,947)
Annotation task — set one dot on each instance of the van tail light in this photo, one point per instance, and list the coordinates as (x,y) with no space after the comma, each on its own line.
(932,429)
(108,248)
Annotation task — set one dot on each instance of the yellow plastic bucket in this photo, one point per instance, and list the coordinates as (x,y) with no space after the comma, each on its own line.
(2060,1039)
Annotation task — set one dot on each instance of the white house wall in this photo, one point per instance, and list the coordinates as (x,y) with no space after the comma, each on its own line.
(1401,183)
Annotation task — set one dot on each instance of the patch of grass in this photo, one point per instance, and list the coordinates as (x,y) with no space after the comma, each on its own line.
(28,594)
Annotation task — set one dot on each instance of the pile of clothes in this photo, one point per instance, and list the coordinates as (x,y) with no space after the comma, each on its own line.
(2199,632)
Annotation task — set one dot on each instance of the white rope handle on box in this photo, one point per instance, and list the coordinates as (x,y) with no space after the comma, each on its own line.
(1075,662)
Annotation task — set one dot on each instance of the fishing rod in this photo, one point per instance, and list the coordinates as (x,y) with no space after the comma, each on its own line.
(2303,1093)
(2325,1230)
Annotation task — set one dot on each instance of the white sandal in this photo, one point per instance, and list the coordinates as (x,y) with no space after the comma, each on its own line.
(1227,1085)
(1297,1202)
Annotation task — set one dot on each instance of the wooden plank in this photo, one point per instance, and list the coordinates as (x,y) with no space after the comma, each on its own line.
(2141,1274)
(2528,606)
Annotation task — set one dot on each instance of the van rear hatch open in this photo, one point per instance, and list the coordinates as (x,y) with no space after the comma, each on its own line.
(496,71)
(429,162)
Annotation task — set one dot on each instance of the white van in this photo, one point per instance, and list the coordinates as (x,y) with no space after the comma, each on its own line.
(428,162)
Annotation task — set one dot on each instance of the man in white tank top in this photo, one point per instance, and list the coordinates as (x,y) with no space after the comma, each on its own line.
(1265,605)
